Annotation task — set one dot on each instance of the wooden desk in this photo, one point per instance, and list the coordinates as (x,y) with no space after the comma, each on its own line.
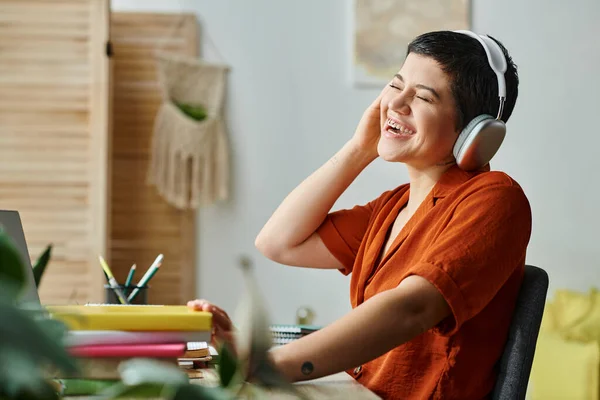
(334,387)
(339,386)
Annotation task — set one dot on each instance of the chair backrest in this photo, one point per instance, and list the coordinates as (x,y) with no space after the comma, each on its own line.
(516,361)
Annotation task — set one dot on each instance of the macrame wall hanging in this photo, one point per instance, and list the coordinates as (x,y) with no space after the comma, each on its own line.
(189,162)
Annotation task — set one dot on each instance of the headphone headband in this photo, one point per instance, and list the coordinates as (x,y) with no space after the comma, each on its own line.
(496,60)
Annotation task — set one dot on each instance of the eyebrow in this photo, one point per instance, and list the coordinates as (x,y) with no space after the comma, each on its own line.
(420,86)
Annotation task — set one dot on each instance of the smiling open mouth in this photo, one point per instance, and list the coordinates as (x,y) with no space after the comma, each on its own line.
(397,129)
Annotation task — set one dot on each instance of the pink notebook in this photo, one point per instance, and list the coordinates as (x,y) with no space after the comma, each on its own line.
(159,350)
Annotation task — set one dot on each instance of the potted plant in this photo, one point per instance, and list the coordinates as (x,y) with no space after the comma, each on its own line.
(29,340)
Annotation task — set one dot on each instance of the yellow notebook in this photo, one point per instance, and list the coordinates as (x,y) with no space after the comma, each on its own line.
(132,318)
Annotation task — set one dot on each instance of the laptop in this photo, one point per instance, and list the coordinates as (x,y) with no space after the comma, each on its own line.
(10,222)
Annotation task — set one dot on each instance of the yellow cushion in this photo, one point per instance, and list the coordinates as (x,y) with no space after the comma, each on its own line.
(564,369)
(576,316)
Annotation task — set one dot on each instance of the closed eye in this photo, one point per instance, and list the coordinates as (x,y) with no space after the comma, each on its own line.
(419,97)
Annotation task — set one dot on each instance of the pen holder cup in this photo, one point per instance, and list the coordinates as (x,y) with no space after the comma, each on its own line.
(140,298)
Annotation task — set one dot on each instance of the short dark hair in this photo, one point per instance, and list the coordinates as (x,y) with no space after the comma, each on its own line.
(474,84)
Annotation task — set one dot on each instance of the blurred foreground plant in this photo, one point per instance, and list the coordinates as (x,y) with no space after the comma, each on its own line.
(39,267)
(246,375)
(29,341)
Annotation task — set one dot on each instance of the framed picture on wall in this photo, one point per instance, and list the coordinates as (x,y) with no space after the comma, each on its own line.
(382,29)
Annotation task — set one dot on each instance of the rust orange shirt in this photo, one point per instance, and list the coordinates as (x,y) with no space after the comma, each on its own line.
(469,239)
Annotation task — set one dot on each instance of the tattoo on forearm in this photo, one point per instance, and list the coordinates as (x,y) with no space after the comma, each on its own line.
(307,368)
(334,160)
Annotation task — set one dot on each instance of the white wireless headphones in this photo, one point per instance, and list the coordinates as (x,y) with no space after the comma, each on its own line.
(482,136)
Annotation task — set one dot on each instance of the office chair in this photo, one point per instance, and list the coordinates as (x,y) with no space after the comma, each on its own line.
(517,358)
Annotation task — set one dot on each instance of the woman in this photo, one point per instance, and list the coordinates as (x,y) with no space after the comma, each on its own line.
(437,263)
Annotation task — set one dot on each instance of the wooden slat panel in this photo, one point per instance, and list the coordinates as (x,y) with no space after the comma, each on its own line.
(54,80)
(143,224)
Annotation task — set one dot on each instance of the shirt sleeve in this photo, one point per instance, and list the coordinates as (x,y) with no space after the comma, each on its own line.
(342,233)
(477,251)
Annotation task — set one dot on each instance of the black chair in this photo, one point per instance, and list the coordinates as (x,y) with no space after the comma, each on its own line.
(516,361)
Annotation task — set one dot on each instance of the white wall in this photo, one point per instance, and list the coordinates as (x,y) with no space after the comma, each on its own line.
(552,148)
(291,106)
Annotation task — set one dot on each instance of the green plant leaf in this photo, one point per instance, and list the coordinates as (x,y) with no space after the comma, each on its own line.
(8,291)
(265,375)
(191,391)
(137,371)
(228,365)
(141,391)
(54,328)
(40,265)
(84,387)
(12,270)
(25,336)
(185,391)
(21,377)
(256,339)
(194,111)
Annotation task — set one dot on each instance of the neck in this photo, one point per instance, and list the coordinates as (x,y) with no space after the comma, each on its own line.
(421,183)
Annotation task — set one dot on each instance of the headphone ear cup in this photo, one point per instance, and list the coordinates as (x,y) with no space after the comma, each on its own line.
(463,137)
(478,142)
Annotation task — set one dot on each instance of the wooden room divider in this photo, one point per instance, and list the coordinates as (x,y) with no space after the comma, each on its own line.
(75,131)
(143,224)
(54,136)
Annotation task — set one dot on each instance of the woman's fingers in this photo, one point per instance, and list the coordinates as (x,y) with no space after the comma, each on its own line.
(195,305)
(222,327)
(220,317)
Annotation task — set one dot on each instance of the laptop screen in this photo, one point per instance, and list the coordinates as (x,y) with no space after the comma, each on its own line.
(10,222)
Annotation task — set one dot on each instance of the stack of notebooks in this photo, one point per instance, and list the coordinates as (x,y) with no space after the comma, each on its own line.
(199,355)
(103,336)
(283,334)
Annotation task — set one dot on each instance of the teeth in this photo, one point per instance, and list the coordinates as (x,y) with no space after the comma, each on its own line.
(402,129)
